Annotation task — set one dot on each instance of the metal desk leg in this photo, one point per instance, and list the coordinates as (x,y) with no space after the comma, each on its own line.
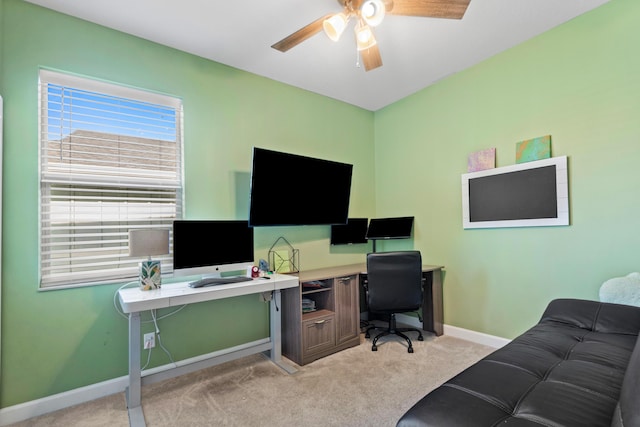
(136,416)
(437,307)
(432,311)
(275,330)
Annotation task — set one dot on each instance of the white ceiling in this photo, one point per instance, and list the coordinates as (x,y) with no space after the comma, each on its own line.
(416,52)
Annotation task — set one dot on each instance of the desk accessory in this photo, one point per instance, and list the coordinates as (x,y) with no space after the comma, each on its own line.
(284,260)
(147,242)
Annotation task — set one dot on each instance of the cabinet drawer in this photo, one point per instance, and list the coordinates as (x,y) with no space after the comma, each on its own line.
(318,334)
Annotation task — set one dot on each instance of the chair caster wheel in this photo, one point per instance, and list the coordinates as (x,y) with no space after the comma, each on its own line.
(410,350)
(374,348)
(420,338)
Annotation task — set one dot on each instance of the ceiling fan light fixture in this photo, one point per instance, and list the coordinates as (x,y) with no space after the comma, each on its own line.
(335,25)
(364,36)
(373,12)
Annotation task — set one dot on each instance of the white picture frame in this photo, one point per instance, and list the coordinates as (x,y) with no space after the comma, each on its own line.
(562,195)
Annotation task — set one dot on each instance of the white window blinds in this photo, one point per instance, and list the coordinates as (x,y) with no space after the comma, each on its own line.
(110,160)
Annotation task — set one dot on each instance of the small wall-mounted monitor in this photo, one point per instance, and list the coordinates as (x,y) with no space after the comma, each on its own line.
(522,195)
(390,228)
(353,232)
(209,248)
(289,189)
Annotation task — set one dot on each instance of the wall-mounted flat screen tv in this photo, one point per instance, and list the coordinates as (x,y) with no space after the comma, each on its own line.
(353,232)
(522,195)
(289,189)
(390,228)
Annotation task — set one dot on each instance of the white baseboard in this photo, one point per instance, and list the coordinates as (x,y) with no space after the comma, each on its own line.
(456,332)
(34,408)
(477,337)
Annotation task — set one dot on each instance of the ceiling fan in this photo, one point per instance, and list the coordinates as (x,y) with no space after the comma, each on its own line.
(368,14)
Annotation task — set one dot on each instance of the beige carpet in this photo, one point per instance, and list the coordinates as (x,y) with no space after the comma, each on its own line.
(356,387)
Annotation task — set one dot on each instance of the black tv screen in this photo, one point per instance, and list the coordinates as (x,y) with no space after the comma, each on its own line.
(525,194)
(288,189)
(529,194)
(390,228)
(353,232)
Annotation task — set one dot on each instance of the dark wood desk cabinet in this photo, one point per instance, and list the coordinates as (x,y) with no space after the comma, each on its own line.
(322,315)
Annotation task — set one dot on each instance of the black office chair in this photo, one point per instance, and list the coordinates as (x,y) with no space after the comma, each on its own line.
(394,285)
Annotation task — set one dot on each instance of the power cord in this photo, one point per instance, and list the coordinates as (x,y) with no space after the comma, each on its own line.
(118,308)
(154,319)
(148,360)
(155,322)
(115,299)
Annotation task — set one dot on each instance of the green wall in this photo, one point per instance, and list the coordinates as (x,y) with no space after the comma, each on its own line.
(578,83)
(59,340)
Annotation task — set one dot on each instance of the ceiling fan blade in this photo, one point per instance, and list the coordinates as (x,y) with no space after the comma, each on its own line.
(301,35)
(449,9)
(371,58)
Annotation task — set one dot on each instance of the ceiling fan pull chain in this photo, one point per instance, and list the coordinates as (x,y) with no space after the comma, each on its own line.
(357,58)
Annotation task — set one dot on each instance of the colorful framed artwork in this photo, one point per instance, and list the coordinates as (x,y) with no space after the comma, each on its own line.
(481,160)
(533,149)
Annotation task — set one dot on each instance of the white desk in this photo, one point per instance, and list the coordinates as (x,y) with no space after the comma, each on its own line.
(134,301)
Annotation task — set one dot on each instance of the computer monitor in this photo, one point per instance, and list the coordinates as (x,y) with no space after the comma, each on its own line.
(211,247)
(353,232)
(390,228)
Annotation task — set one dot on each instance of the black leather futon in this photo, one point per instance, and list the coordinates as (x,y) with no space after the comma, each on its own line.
(579,366)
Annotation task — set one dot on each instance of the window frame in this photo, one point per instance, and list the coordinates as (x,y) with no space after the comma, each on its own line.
(117,180)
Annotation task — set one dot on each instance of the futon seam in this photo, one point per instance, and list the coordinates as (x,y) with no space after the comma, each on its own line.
(479,396)
(514,366)
(595,319)
(524,418)
(508,414)
(588,390)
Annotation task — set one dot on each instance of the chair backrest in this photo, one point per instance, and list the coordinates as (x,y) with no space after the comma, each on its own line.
(394,281)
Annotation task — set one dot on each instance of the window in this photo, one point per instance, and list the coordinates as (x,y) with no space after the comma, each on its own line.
(110,160)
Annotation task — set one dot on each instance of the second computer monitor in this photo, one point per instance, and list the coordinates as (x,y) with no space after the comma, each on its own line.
(390,228)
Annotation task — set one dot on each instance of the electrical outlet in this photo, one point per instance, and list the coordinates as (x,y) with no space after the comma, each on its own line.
(149,340)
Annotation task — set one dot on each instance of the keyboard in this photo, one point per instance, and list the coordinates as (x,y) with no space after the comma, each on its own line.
(214,281)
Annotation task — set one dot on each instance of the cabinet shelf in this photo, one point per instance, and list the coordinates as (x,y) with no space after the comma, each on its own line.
(315,314)
(315,291)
